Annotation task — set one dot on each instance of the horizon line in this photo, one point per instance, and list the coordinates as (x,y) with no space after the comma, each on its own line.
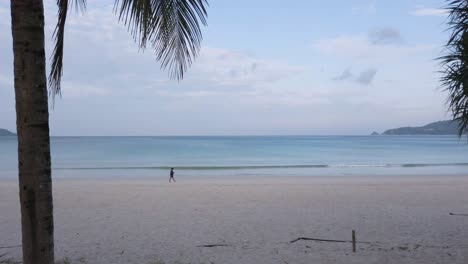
(248,135)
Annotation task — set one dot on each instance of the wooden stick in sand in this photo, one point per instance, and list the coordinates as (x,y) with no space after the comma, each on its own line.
(354,240)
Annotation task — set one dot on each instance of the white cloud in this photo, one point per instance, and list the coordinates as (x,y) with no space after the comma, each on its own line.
(368,9)
(5,80)
(108,78)
(395,61)
(5,12)
(79,90)
(360,47)
(122,65)
(226,67)
(422,12)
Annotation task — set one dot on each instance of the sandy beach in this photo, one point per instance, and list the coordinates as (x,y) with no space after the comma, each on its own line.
(404,219)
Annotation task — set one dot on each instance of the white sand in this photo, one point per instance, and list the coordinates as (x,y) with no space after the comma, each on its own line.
(406,219)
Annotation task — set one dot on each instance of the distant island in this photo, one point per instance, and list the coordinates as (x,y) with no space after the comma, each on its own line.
(4,132)
(447,127)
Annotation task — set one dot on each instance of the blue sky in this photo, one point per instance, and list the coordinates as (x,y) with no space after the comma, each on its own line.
(266,67)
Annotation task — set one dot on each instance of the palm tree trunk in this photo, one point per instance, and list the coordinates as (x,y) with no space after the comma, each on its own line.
(32,122)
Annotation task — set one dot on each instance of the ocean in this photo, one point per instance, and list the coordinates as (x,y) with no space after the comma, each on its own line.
(218,156)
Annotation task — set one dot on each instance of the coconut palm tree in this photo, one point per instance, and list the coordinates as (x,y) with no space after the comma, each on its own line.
(170,27)
(455,63)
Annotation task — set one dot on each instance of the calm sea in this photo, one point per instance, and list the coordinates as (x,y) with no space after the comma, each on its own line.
(133,157)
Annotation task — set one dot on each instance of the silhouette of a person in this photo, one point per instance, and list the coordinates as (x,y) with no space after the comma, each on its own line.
(172,175)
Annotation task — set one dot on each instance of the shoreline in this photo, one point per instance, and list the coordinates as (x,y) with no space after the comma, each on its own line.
(251,178)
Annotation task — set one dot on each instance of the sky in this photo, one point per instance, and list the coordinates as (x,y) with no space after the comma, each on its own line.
(307,67)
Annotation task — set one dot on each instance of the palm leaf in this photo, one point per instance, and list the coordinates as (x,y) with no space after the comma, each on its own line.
(171,27)
(56,72)
(455,63)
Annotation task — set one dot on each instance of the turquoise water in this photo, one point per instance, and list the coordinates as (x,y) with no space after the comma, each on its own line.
(248,155)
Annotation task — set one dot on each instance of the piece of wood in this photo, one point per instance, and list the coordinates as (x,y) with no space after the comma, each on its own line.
(458,214)
(327,240)
(214,245)
(354,240)
(319,240)
(11,246)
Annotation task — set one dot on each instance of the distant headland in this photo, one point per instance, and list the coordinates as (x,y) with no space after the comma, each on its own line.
(447,127)
(4,132)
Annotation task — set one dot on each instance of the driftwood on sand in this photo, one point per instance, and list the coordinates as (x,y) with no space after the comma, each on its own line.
(458,214)
(327,240)
(214,245)
(10,246)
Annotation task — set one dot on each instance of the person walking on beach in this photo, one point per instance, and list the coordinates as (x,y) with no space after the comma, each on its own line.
(171,175)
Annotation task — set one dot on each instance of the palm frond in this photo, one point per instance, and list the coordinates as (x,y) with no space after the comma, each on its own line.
(171,27)
(79,5)
(56,72)
(455,63)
